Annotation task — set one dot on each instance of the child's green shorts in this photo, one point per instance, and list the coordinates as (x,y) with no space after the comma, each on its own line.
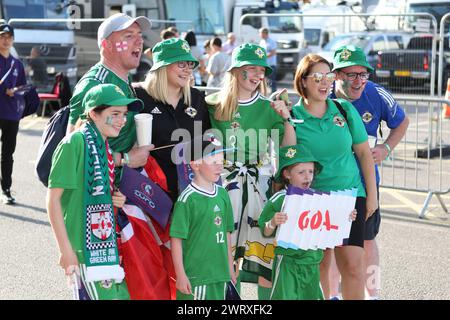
(211,291)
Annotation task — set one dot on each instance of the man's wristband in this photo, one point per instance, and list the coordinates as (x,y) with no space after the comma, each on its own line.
(125,159)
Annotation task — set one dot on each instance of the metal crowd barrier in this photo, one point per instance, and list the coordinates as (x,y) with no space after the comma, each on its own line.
(418,162)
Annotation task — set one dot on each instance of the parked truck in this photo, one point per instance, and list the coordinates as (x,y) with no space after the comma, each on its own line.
(410,70)
(54,39)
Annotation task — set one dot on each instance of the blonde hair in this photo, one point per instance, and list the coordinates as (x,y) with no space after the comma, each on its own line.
(156,84)
(228,96)
(304,68)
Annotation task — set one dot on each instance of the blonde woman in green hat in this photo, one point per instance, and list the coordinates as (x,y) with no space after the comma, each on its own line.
(247,120)
(335,135)
(295,273)
(173,103)
(81,196)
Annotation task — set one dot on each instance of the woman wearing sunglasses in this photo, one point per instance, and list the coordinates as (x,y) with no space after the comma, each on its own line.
(334,139)
(174,104)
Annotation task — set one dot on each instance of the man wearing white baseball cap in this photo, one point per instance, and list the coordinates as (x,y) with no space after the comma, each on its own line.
(120,41)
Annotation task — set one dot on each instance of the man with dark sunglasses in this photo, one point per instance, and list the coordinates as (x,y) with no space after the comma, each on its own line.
(375,104)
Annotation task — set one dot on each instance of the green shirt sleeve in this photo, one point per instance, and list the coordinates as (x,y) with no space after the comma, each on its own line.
(76,108)
(66,164)
(229,211)
(180,220)
(355,124)
(272,206)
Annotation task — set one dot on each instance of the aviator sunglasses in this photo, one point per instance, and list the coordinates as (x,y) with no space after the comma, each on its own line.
(319,76)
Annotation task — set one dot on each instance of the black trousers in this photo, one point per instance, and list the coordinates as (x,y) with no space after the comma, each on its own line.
(9,130)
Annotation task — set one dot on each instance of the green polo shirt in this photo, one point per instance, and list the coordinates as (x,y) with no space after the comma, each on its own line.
(96,75)
(330,141)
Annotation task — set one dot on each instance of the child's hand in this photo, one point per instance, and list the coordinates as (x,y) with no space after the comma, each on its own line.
(279,218)
(233,277)
(353,214)
(118,199)
(183,284)
(67,261)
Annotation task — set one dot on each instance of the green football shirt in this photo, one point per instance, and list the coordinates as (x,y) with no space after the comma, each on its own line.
(253,124)
(330,141)
(202,220)
(274,205)
(96,75)
(67,173)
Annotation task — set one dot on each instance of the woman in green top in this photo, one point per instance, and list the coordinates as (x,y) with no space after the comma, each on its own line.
(334,137)
(81,196)
(247,120)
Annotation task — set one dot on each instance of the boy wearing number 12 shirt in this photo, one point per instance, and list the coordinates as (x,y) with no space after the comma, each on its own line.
(295,272)
(201,227)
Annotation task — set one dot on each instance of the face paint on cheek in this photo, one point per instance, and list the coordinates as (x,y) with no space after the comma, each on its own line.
(245,74)
(121,46)
(109,120)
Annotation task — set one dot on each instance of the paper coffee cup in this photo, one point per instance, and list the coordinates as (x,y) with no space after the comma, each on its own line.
(372,141)
(143,128)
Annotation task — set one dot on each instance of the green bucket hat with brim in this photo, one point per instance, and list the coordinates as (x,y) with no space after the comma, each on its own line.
(249,54)
(170,51)
(290,155)
(108,95)
(350,55)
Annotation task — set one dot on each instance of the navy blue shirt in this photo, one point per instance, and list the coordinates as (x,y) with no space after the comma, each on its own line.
(376,104)
(15,78)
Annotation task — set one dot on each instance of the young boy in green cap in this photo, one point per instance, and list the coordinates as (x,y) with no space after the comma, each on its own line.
(201,227)
(295,273)
(81,196)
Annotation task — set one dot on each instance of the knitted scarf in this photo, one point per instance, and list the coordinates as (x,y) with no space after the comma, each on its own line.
(100,249)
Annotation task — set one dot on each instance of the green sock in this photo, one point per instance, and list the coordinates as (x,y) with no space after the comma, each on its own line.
(264,293)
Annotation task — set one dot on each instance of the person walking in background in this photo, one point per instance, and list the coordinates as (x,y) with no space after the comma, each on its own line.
(37,69)
(271,48)
(343,139)
(12,76)
(218,64)
(374,104)
(191,39)
(230,44)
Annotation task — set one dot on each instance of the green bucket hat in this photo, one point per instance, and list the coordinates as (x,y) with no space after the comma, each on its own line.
(295,154)
(249,54)
(170,51)
(350,55)
(108,95)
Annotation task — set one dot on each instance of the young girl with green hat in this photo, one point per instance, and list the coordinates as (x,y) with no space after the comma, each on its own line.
(295,272)
(247,120)
(81,196)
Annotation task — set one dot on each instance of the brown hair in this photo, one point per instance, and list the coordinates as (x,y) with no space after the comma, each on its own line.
(304,68)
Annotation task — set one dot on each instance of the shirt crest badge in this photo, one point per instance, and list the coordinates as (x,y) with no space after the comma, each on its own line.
(367,117)
(217,220)
(345,54)
(235,125)
(191,112)
(339,121)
